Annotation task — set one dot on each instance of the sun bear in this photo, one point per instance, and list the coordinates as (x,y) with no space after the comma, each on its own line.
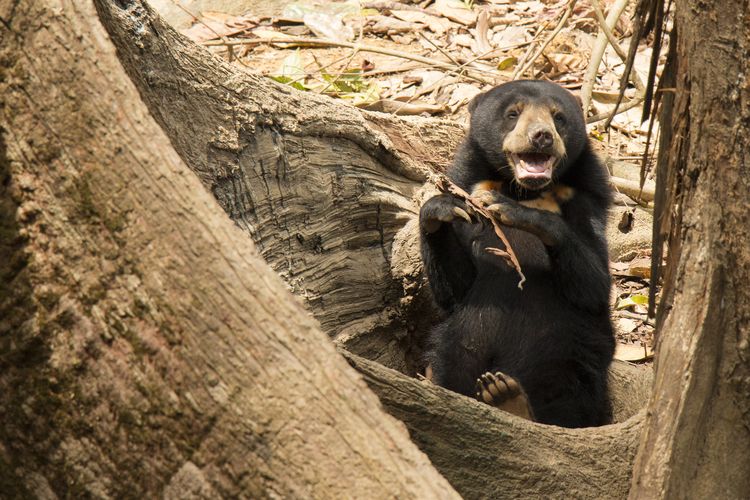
(541,352)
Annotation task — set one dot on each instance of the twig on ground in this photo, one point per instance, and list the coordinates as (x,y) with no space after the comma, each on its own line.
(446,186)
(522,62)
(354,53)
(646,193)
(636,101)
(616,45)
(560,24)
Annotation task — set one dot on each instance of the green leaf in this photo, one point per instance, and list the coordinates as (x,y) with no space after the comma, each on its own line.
(288,81)
(291,72)
(633,300)
(507,63)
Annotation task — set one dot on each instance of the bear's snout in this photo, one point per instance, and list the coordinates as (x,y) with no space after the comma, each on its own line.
(541,138)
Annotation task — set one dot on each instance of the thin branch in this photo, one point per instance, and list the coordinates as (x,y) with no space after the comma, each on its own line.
(636,101)
(597,53)
(525,57)
(633,189)
(354,53)
(560,24)
(634,77)
(446,186)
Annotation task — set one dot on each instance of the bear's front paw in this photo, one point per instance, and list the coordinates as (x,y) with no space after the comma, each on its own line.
(506,211)
(485,197)
(443,209)
(504,392)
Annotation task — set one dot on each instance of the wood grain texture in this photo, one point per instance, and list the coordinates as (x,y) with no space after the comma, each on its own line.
(321,187)
(485,452)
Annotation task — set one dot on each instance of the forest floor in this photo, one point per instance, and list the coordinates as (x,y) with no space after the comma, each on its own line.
(432,57)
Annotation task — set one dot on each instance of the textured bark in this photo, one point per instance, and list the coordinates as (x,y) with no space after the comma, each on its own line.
(147,349)
(485,452)
(696,440)
(321,188)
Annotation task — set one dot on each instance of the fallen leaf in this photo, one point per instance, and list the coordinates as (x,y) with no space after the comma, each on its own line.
(328,26)
(435,24)
(292,71)
(510,36)
(633,300)
(567,63)
(640,267)
(626,325)
(463,40)
(507,63)
(618,267)
(387,25)
(632,352)
(480,33)
(215,25)
(456,11)
(462,94)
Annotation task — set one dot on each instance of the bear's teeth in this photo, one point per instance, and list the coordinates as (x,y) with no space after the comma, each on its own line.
(534,167)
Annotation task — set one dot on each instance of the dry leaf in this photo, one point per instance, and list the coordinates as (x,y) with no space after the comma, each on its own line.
(510,36)
(640,267)
(462,94)
(567,63)
(632,352)
(480,33)
(387,25)
(455,11)
(626,325)
(436,24)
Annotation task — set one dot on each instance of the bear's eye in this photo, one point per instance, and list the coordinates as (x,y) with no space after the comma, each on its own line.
(512,114)
(559,118)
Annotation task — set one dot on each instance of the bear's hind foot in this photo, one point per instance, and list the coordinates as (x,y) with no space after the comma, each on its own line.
(504,392)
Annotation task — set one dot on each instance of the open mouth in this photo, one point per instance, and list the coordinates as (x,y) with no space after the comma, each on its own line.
(534,169)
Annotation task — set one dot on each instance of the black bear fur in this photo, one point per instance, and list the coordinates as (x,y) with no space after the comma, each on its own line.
(555,335)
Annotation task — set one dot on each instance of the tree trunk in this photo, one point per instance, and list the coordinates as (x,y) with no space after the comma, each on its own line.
(696,442)
(147,349)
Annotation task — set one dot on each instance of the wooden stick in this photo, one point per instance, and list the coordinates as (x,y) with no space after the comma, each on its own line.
(636,101)
(444,185)
(616,46)
(530,61)
(597,53)
(646,193)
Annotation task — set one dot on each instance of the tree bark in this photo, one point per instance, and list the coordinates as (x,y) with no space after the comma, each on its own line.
(486,453)
(696,442)
(321,188)
(147,349)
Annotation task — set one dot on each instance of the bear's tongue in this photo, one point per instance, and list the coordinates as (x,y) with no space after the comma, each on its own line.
(533,164)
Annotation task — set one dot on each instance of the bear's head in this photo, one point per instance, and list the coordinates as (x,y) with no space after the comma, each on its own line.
(530,131)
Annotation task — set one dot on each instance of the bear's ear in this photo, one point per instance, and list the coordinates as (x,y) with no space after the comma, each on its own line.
(475,102)
(577,97)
